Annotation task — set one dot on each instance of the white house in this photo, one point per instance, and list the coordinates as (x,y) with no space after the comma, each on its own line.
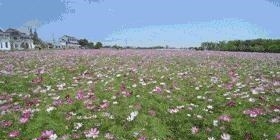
(69,42)
(12,39)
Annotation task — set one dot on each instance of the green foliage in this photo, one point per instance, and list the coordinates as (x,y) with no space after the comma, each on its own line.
(36,39)
(108,78)
(83,42)
(98,45)
(117,47)
(257,45)
(90,45)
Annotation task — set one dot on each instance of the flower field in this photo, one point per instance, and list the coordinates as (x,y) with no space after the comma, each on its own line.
(139,94)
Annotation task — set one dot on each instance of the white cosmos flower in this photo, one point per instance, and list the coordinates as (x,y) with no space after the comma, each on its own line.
(199,116)
(49,109)
(173,110)
(77,125)
(252,100)
(225,136)
(210,107)
(215,122)
(53,137)
(211,138)
(132,116)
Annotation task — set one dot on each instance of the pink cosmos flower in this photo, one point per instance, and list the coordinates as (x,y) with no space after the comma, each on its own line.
(47,133)
(122,88)
(57,102)
(6,123)
(231,104)
(40,71)
(229,86)
(80,95)
(104,105)
(225,118)
(157,89)
(9,67)
(5,107)
(25,116)
(277,136)
(254,112)
(142,138)
(126,93)
(23,120)
(92,133)
(69,101)
(195,130)
(14,134)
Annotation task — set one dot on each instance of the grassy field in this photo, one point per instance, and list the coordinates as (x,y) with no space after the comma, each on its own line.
(139,94)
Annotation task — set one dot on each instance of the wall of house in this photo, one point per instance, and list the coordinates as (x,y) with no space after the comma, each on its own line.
(5,45)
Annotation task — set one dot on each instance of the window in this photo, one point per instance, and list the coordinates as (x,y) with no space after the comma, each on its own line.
(1,44)
(6,43)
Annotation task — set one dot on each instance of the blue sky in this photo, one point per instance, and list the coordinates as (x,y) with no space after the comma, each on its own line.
(177,23)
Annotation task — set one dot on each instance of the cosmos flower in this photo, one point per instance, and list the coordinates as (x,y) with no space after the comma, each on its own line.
(173,110)
(26,115)
(14,134)
(157,89)
(109,136)
(195,130)
(47,133)
(23,120)
(50,109)
(92,133)
(225,136)
(132,116)
(277,136)
(77,125)
(225,118)
(254,112)
(80,95)
(104,105)
(215,122)
(6,123)
(211,138)
(210,107)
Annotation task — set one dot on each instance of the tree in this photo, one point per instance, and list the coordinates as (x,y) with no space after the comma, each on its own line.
(98,45)
(36,39)
(30,32)
(83,42)
(257,45)
(91,45)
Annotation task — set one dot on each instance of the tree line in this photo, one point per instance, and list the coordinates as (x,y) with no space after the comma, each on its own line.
(256,45)
(90,45)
